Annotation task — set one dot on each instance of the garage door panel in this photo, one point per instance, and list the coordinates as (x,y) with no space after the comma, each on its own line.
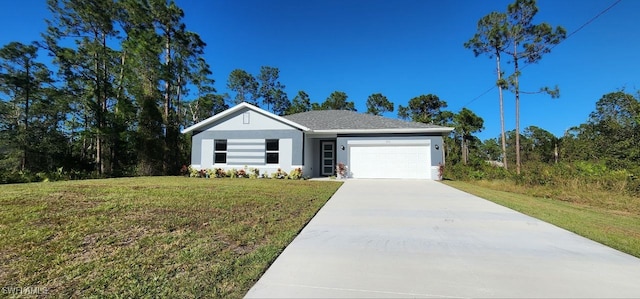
(390,161)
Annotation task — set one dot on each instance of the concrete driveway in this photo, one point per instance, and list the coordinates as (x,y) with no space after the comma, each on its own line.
(416,238)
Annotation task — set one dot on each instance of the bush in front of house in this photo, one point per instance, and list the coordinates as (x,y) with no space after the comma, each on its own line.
(251,173)
(296,174)
(279,174)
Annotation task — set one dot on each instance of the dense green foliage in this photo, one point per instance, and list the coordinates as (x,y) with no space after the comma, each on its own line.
(425,109)
(337,100)
(272,91)
(581,175)
(245,86)
(601,154)
(377,104)
(467,123)
(300,103)
(113,98)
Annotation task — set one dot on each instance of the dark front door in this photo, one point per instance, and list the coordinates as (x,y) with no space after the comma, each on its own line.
(328,157)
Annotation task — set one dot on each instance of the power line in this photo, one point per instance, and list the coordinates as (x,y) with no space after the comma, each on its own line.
(553,46)
(591,20)
(479,96)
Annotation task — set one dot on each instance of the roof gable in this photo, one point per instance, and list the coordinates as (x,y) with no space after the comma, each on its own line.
(238,108)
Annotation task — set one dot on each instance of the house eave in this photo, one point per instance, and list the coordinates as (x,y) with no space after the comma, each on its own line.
(384,131)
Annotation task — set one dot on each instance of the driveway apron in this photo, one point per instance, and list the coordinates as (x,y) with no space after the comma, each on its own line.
(423,239)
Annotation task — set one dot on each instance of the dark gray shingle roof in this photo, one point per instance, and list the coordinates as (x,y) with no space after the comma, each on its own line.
(349,120)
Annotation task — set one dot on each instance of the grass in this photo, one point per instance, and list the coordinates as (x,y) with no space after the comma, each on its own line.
(614,224)
(576,191)
(150,237)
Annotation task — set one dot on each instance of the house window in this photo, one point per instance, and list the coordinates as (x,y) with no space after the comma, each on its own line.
(272,149)
(220,151)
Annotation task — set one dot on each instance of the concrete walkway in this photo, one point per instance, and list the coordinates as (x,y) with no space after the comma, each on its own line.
(423,239)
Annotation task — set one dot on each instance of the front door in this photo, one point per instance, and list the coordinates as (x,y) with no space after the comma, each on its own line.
(328,157)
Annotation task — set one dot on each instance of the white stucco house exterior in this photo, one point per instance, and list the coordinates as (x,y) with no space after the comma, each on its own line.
(316,141)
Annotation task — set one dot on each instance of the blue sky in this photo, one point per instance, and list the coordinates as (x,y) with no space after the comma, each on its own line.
(403,49)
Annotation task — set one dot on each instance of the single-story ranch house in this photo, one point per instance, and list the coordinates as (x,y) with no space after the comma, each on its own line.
(317,141)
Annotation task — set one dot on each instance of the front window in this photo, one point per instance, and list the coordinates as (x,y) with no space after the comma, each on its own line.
(220,151)
(272,151)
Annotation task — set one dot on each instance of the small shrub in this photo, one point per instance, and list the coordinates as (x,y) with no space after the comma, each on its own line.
(341,170)
(194,173)
(254,173)
(241,173)
(232,173)
(296,174)
(279,174)
(535,174)
(12,177)
(456,172)
(477,175)
(185,171)
(220,173)
(494,172)
(440,171)
(591,169)
(53,176)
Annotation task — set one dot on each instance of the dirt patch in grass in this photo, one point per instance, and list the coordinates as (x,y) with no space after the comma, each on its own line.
(150,237)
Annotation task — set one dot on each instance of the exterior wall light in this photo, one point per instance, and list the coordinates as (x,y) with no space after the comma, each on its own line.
(342,147)
(437,147)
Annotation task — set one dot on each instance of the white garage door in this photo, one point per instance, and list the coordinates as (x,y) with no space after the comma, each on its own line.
(390,161)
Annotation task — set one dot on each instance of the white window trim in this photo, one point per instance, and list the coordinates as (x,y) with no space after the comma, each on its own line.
(245,118)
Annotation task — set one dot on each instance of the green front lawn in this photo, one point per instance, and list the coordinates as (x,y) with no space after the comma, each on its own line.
(150,237)
(607,224)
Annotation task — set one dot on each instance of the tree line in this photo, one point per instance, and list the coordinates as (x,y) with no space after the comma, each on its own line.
(607,141)
(125,76)
(113,98)
(109,85)
(514,35)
